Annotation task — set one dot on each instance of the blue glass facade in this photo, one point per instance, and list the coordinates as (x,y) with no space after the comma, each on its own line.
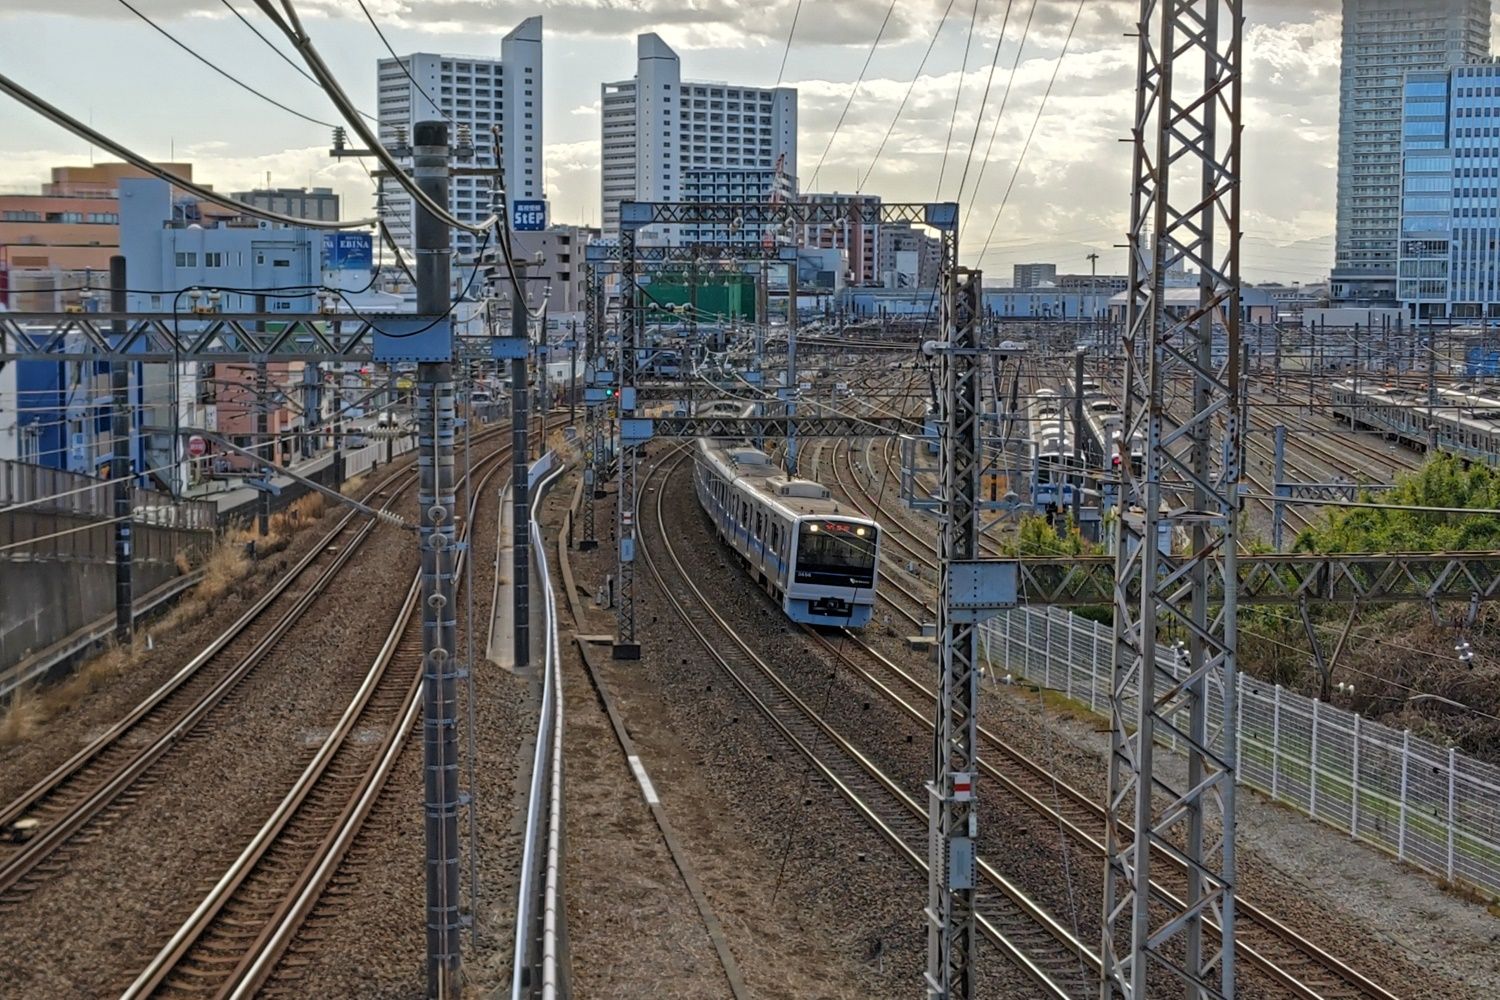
(1449,266)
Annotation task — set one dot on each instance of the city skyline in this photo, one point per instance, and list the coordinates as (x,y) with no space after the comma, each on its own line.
(1069,198)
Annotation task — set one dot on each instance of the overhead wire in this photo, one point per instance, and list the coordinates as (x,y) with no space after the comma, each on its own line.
(94,137)
(402,62)
(1041,108)
(958,92)
(291,26)
(861,79)
(219,70)
(1010,84)
(931,44)
(791,33)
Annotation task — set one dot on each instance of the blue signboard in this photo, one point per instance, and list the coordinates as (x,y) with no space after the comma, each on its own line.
(528,215)
(348,252)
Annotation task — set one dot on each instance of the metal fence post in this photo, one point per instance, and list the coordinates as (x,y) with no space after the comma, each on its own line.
(1275,740)
(1312,775)
(1094,670)
(1068,665)
(1354,783)
(1401,802)
(1452,803)
(1239,731)
(1047,655)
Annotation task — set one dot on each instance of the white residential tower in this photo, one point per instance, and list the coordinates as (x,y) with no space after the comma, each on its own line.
(504,93)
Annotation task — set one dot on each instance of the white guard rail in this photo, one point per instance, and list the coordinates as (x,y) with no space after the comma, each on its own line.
(540,935)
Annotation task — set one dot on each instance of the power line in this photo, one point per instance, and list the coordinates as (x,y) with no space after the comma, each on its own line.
(781,73)
(983,100)
(291,26)
(401,62)
(279,54)
(224,73)
(1004,100)
(963,67)
(907,97)
(90,135)
(1072,26)
(840,124)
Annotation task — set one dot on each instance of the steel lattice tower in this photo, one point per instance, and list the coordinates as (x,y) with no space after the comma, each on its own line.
(952,808)
(1184,211)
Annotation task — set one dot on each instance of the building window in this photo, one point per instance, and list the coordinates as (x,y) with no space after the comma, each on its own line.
(281,262)
(186,258)
(213,259)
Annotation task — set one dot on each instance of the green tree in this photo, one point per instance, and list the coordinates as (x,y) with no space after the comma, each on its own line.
(1443,481)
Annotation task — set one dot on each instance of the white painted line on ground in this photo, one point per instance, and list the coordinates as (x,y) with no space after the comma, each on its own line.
(640,775)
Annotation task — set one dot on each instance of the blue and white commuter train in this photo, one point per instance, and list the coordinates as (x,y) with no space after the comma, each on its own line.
(819,561)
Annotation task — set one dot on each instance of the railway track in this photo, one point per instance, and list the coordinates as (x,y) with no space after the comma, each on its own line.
(1057,963)
(102,775)
(1293,961)
(232,942)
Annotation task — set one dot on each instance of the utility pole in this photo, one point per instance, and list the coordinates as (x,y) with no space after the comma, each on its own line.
(520,474)
(626,646)
(437,500)
(263,444)
(572,373)
(592,418)
(1078,355)
(791,366)
(1185,207)
(119,466)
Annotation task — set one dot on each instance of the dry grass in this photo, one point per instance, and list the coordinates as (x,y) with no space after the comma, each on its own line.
(225,569)
(22,718)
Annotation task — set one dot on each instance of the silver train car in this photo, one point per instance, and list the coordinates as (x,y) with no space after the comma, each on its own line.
(1465,422)
(818,560)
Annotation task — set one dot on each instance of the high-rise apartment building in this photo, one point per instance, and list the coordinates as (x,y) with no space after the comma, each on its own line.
(1382,40)
(656,128)
(483,94)
(1025,276)
(1448,265)
(861,244)
(730,185)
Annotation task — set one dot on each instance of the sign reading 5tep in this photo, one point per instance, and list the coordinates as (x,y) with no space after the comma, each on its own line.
(528,215)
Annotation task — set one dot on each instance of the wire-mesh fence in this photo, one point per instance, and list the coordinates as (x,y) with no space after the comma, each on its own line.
(1426,804)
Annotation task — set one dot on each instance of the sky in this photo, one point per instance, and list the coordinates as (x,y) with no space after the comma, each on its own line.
(1068,196)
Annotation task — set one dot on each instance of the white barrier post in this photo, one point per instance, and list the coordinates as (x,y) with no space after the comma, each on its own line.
(1354,785)
(1275,740)
(1401,804)
(1312,777)
(1452,802)
(1239,730)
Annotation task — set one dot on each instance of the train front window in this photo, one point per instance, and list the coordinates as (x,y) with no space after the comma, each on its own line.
(836,553)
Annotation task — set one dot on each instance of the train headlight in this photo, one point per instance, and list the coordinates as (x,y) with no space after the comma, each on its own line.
(812,527)
(860,532)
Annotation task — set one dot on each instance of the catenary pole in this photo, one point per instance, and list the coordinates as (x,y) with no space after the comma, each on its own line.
(435,422)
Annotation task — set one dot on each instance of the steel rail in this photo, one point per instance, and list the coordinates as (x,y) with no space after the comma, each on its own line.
(1021,905)
(1257,918)
(37,849)
(259,959)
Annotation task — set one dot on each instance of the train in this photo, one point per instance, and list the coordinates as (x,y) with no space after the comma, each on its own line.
(1103,424)
(1051,450)
(819,561)
(1465,423)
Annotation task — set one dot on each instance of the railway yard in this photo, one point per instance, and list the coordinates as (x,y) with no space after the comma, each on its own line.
(744,804)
